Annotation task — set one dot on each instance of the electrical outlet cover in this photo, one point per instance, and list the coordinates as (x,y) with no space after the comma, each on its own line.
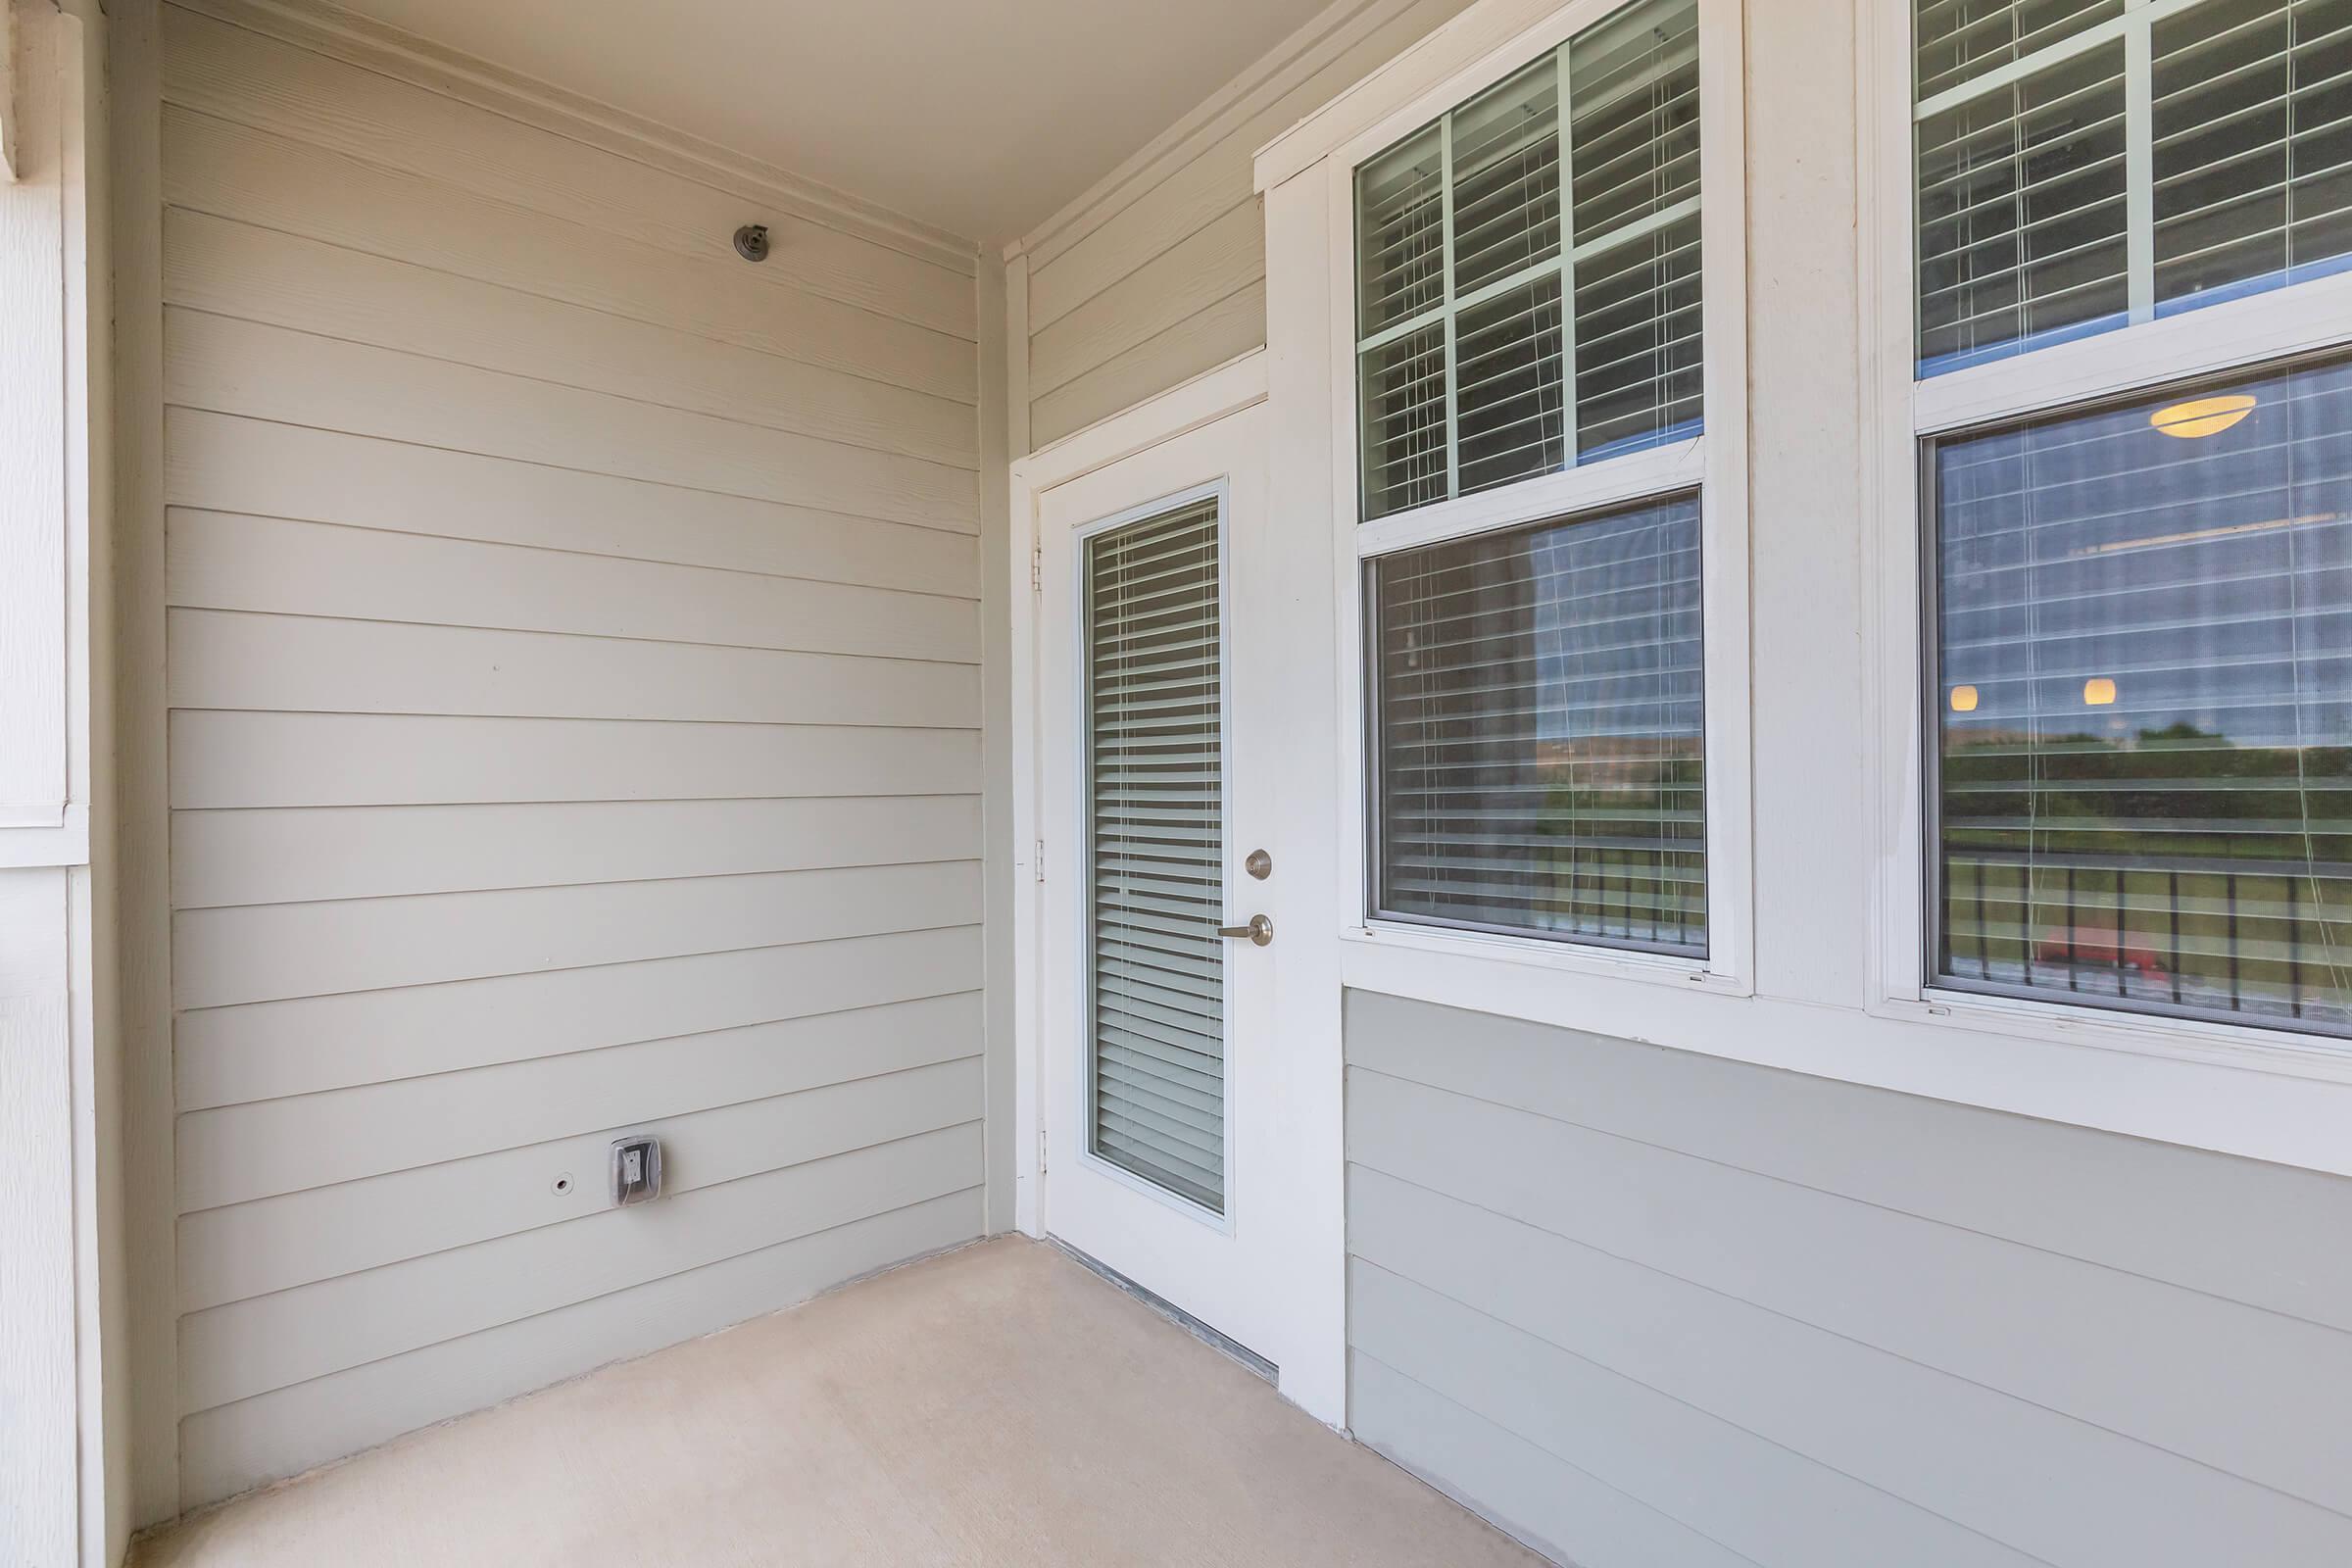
(636,1169)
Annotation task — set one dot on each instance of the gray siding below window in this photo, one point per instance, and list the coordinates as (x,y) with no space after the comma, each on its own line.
(1641,1305)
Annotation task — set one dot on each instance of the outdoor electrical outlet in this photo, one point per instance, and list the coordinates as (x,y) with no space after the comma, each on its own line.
(636,1169)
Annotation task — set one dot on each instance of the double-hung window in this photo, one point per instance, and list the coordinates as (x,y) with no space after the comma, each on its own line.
(1533,348)
(2139,640)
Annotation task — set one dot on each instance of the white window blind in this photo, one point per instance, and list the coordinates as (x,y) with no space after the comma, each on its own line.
(1633,88)
(2143,683)
(2023,213)
(2252,149)
(2082,165)
(1538,742)
(1955,40)
(1156,847)
(1500,338)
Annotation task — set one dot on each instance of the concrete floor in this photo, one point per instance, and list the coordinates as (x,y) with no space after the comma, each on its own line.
(994,1406)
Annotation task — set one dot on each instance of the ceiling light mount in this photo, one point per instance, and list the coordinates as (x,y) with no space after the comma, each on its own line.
(751,242)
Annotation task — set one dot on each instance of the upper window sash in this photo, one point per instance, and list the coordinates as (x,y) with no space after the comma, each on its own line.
(1504,330)
(2082,165)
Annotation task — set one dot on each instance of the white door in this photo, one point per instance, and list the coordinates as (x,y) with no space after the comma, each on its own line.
(1162,1096)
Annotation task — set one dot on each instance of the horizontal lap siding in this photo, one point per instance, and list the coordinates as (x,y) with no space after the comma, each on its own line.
(267,84)
(234,1447)
(268,1343)
(229,760)
(1817,1323)
(573,655)
(1164,277)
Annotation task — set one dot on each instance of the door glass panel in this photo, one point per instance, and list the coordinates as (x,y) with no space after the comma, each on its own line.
(1154,801)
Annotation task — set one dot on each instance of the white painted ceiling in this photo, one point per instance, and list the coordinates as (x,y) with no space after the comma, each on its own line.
(981,117)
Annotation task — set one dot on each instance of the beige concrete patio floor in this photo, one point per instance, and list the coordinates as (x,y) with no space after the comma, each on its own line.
(999,1404)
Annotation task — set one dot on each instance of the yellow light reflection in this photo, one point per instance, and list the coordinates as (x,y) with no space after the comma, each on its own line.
(1964,699)
(2098,691)
(2202,416)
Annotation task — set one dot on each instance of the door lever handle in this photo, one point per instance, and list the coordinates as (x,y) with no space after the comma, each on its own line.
(1260,930)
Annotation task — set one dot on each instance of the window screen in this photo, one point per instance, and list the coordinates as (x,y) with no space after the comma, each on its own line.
(1504,334)
(2062,192)
(1537,739)
(2143,698)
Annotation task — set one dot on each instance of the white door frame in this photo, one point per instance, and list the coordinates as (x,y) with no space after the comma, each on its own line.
(1313,1358)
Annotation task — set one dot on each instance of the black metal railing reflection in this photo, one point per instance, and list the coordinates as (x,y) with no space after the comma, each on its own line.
(2187,933)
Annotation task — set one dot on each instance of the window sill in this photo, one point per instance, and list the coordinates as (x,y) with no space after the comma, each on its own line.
(1474,951)
(2278,1051)
(2248,1093)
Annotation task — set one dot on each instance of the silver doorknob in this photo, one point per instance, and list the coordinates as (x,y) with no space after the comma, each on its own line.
(1260,930)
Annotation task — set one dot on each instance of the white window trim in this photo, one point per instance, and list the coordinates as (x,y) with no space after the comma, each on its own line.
(1417,88)
(1898,411)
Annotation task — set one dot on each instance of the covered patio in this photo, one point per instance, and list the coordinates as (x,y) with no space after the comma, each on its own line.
(1246,782)
(1000,1405)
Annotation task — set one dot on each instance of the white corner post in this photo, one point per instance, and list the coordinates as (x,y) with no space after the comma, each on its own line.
(61,1439)
(8,93)
(1302,557)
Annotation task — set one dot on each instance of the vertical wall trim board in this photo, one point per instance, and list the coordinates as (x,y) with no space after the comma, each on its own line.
(142,773)
(995,727)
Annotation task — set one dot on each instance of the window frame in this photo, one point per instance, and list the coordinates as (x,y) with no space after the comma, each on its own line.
(1712,463)
(1902,415)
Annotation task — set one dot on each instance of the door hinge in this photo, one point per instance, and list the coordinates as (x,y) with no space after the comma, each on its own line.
(1037,859)
(1037,571)
(1040,1150)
